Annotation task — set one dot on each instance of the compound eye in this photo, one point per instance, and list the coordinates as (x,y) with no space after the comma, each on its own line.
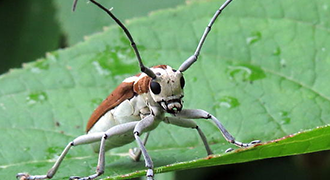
(155,87)
(182,82)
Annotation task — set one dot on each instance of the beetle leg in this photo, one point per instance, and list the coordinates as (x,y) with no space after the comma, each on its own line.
(135,153)
(139,128)
(116,130)
(187,123)
(84,139)
(198,113)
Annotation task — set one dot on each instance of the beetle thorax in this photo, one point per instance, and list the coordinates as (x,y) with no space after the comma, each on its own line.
(167,88)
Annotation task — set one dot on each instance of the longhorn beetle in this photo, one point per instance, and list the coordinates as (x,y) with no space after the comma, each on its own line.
(138,105)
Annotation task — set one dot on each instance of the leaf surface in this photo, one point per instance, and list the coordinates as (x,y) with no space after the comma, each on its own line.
(88,19)
(263,72)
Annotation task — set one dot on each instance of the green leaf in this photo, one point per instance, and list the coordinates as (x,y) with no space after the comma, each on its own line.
(86,19)
(263,72)
(302,142)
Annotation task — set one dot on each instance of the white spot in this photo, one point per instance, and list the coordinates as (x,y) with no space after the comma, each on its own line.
(141,76)
(99,69)
(31,101)
(247,70)
(325,7)
(35,70)
(3,106)
(323,49)
(282,62)
(131,79)
(51,57)
(121,56)
(252,39)
(225,104)
(249,40)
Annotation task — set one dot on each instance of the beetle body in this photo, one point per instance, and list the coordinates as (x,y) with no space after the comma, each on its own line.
(138,105)
(134,99)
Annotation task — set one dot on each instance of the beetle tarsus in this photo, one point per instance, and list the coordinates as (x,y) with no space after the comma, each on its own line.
(135,154)
(229,150)
(254,142)
(26,176)
(81,178)
(240,144)
(150,174)
(22,176)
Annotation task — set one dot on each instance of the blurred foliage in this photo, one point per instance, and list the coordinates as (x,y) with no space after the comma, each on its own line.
(28,30)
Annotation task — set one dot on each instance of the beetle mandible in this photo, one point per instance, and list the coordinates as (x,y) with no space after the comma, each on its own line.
(137,106)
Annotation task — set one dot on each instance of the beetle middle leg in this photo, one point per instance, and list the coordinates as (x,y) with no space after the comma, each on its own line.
(116,130)
(83,139)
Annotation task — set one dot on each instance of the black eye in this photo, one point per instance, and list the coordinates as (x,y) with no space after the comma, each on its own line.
(182,82)
(155,87)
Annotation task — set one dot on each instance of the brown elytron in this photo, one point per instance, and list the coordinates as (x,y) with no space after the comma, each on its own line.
(126,90)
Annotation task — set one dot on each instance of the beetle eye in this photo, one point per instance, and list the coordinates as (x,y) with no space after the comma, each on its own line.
(155,87)
(182,82)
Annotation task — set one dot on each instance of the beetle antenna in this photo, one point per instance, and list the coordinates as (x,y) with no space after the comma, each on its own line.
(74,5)
(143,68)
(187,63)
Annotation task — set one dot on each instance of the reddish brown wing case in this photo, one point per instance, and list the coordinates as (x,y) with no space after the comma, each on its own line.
(121,93)
(126,90)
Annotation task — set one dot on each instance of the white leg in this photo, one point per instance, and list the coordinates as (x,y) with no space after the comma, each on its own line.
(116,130)
(139,128)
(135,153)
(187,123)
(198,114)
(84,139)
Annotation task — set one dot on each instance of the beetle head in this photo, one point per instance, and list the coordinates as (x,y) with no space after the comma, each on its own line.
(167,88)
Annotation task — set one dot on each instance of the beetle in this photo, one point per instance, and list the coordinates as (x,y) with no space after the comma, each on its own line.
(137,106)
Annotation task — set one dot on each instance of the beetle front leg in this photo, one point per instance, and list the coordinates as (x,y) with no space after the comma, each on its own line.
(139,128)
(198,113)
(135,153)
